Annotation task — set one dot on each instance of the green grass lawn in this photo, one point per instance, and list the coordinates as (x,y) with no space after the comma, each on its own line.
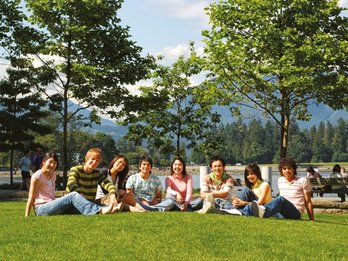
(168,236)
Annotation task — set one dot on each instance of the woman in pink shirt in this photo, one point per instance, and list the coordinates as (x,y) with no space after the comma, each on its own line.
(41,194)
(179,187)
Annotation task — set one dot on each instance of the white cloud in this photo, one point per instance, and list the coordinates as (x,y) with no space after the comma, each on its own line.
(172,53)
(343,3)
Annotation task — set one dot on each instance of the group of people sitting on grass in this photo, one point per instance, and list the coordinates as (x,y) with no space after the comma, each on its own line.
(91,192)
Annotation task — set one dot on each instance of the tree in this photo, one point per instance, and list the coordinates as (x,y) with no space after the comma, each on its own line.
(20,109)
(339,141)
(299,146)
(278,55)
(86,55)
(167,112)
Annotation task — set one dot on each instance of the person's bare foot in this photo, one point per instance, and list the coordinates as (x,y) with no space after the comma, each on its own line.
(136,209)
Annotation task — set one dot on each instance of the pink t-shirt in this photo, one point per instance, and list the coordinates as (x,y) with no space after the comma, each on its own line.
(182,185)
(45,192)
(294,191)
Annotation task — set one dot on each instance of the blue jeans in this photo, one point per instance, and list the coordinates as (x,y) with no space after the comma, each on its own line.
(164,205)
(281,205)
(221,203)
(194,204)
(68,201)
(246,194)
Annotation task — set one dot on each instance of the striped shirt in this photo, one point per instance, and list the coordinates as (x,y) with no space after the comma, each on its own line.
(294,191)
(87,183)
(144,188)
(225,185)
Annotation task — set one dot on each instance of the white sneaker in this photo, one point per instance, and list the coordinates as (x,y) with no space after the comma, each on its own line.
(258,211)
(207,208)
(210,199)
(232,211)
(118,208)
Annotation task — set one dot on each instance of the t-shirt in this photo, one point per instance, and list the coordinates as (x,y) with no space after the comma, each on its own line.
(259,187)
(144,188)
(45,192)
(100,191)
(24,163)
(225,185)
(87,183)
(37,161)
(182,185)
(294,191)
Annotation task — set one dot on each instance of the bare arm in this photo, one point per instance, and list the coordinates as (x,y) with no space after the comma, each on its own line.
(237,202)
(158,195)
(218,194)
(309,205)
(264,192)
(34,186)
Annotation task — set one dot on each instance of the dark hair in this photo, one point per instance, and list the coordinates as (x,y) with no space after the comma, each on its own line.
(145,158)
(216,158)
(122,175)
(184,172)
(26,151)
(310,169)
(336,168)
(49,155)
(251,168)
(289,162)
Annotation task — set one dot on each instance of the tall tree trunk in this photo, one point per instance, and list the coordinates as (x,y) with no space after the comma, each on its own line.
(65,138)
(178,140)
(66,116)
(11,162)
(285,120)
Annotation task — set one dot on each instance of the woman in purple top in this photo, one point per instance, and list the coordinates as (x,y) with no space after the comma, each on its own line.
(179,187)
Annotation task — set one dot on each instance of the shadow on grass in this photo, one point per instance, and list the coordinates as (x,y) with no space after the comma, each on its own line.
(331,222)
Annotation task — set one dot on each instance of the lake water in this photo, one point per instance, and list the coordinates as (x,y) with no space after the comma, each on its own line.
(196,181)
(274,183)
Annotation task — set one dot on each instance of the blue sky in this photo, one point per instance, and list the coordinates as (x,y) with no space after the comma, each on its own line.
(165,26)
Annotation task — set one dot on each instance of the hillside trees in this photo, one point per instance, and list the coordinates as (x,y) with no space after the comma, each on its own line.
(86,55)
(20,109)
(80,140)
(255,142)
(277,55)
(167,113)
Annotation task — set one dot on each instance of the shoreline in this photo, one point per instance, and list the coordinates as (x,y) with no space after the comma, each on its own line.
(195,170)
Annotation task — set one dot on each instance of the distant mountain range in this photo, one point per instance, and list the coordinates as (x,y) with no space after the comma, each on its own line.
(320,113)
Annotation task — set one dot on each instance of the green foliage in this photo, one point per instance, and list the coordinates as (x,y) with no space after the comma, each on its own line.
(163,236)
(20,106)
(277,55)
(168,111)
(83,53)
(254,142)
